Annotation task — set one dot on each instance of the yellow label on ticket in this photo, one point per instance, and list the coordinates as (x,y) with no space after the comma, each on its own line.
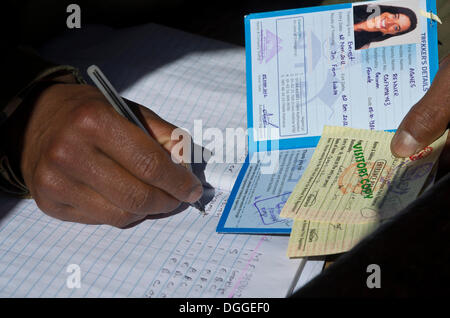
(351,184)
(313,238)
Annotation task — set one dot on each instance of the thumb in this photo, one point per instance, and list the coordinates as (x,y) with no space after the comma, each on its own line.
(158,128)
(428,119)
(166,134)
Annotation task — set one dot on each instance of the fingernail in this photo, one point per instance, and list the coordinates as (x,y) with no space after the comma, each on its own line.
(404,145)
(196,193)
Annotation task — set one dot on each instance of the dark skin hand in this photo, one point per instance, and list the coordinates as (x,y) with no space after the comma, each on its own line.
(427,120)
(85,163)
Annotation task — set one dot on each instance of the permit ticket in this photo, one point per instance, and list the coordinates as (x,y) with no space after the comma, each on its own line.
(352,183)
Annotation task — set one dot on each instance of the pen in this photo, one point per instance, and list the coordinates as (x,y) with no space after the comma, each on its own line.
(104,85)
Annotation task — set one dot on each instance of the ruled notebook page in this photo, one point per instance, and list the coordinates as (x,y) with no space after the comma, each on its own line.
(181,77)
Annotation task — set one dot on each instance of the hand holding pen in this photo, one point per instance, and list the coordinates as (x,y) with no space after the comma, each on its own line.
(83,162)
(110,93)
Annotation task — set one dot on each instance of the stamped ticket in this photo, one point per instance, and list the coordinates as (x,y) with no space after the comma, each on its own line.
(351,184)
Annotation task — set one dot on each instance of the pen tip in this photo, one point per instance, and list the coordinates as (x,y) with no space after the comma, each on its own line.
(200,207)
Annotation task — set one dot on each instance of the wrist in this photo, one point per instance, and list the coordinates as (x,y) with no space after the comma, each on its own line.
(13,130)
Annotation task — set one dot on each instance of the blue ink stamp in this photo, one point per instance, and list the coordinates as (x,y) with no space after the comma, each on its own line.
(269,209)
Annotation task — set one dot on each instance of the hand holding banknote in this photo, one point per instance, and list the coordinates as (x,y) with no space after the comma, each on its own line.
(427,120)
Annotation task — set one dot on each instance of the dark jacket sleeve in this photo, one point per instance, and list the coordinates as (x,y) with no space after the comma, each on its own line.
(24,71)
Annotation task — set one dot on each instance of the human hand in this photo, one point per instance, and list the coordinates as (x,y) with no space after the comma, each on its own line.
(427,120)
(83,162)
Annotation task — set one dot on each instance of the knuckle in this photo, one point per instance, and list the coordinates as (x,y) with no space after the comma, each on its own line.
(137,199)
(59,152)
(45,181)
(46,205)
(85,117)
(150,166)
(424,119)
(172,205)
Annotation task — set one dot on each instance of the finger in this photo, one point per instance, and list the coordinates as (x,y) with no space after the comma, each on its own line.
(160,129)
(68,213)
(67,200)
(165,133)
(88,204)
(428,119)
(117,185)
(142,156)
(63,212)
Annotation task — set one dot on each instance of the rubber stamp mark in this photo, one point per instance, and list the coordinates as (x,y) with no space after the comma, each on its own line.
(269,209)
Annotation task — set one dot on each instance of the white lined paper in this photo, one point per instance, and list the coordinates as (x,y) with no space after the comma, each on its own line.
(179,256)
